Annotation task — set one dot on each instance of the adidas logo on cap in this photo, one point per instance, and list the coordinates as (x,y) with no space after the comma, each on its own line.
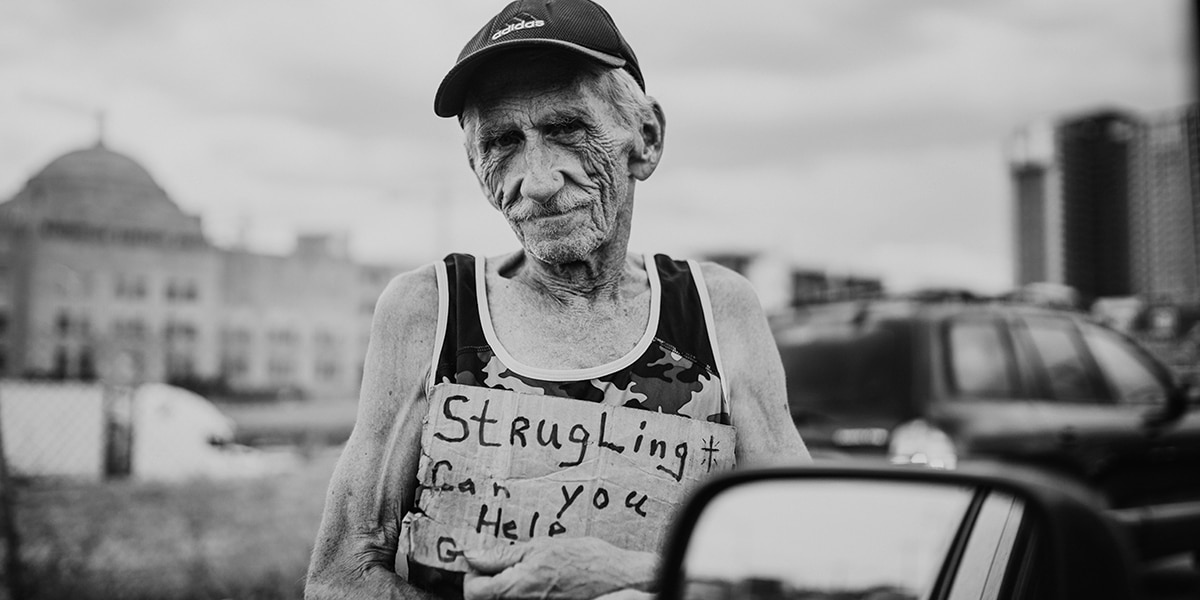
(518,23)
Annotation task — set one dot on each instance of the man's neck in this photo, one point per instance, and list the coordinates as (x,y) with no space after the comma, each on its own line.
(599,279)
(568,316)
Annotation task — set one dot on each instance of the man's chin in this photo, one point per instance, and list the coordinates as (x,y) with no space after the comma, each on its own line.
(561,251)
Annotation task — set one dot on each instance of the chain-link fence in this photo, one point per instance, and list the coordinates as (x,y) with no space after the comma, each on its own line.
(95,503)
(57,430)
(74,430)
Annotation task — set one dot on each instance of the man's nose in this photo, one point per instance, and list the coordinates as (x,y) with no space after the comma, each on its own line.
(542,177)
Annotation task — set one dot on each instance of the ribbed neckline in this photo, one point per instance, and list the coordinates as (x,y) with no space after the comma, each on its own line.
(520,368)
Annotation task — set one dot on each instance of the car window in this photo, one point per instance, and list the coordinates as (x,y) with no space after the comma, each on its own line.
(1055,342)
(980,361)
(848,371)
(987,557)
(1131,379)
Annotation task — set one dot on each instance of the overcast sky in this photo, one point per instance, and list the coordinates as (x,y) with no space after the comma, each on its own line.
(861,136)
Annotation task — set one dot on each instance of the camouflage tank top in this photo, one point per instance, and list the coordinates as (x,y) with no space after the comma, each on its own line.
(675,367)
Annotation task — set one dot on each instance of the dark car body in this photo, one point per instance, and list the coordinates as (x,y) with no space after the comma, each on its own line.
(1022,384)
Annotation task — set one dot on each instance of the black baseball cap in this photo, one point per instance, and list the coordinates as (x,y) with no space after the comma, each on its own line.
(578,25)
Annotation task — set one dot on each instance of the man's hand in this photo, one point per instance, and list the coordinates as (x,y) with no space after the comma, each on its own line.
(571,569)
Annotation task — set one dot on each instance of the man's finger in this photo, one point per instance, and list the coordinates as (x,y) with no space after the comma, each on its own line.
(477,587)
(494,560)
(489,587)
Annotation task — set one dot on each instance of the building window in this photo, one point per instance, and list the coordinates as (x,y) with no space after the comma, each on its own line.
(129,328)
(279,369)
(325,340)
(182,291)
(61,363)
(282,337)
(180,366)
(62,323)
(87,365)
(235,367)
(238,339)
(182,332)
(131,286)
(3,323)
(327,370)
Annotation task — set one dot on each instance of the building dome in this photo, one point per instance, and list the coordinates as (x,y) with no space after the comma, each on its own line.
(98,169)
(100,187)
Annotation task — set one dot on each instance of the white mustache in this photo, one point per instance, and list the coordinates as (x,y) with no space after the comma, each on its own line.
(563,202)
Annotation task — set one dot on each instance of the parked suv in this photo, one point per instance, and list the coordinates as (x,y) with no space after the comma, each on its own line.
(937,382)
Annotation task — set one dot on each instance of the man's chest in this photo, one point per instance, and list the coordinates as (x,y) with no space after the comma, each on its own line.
(551,338)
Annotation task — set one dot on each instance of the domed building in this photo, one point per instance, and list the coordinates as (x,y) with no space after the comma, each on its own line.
(102,275)
(103,188)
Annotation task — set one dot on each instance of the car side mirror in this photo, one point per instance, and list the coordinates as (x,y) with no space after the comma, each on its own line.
(890,533)
(1178,398)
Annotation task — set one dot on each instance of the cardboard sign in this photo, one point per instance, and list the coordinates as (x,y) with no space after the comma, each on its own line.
(499,467)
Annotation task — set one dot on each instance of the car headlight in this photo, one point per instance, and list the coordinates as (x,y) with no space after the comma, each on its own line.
(919,443)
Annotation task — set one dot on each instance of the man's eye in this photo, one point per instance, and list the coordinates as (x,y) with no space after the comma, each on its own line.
(566,127)
(503,140)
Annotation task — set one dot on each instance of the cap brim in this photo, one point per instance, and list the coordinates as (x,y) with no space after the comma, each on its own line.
(448,102)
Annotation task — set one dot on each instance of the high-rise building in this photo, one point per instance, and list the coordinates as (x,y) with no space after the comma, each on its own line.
(1164,220)
(1112,209)
(1094,152)
(1037,207)
(1029,216)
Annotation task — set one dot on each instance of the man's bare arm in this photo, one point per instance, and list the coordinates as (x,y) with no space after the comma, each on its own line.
(765,432)
(374,481)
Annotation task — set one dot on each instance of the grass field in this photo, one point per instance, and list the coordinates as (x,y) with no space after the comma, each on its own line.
(245,539)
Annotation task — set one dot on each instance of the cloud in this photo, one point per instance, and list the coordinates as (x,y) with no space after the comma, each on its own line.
(839,132)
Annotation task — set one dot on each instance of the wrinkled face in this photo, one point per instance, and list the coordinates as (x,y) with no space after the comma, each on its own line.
(552,157)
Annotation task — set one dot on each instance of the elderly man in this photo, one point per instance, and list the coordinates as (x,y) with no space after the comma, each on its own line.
(558,130)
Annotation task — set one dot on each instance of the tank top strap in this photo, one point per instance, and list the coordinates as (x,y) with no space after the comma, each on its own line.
(684,322)
(461,327)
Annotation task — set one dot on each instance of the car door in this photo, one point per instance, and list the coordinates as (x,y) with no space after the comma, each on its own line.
(986,409)
(1170,470)
(1092,435)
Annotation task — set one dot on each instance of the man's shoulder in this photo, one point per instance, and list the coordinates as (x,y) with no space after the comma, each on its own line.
(410,297)
(728,288)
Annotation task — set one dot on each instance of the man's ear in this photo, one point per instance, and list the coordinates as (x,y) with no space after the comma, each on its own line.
(646,154)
